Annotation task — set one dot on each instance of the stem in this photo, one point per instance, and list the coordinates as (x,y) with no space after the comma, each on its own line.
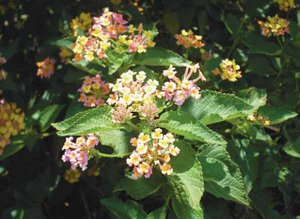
(133,126)
(279,42)
(100,154)
(187,53)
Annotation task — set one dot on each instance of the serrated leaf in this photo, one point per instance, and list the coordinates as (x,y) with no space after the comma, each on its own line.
(160,213)
(181,123)
(117,139)
(123,210)
(90,121)
(221,175)
(142,187)
(160,57)
(214,107)
(276,115)
(254,96)
(187,183)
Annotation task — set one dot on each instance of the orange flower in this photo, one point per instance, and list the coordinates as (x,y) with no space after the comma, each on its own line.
(45,68)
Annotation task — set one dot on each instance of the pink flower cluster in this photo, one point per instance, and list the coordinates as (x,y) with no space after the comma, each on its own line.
(110,31)
(179,90)
(93,90)
(77,152)
(152,150)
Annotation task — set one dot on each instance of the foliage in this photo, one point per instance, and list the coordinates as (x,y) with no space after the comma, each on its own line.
(178,109)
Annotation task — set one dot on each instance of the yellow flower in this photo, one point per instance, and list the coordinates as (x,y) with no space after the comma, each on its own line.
(166,169)
(72,176)
(230,70)
(286,5)
(275,26)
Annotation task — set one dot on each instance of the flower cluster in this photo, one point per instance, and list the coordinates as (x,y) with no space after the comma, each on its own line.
(111,31)
(286,5)
(45,68)
(72,176)
(179,90)
(258,118)
(3,73)
(151,150)
(132,93)
(92,91)
(11,122)
(188,39)
(82,23)
(94,171)
(229,70)
(64,54)
(275,26)
(77,152)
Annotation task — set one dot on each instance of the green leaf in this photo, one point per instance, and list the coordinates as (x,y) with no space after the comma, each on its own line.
(90,121)
(246,155)
(264,204)
(259,45)
(222,176)
(293,148)
(214,107)
(160,57)
(171,22)
(160,213)
(11,149)
(64,43)
(117,60)
(117,139)
(123,210)
(187,183)
(181,123)
(232,24)
(253,96)
(49,115)
(212,64)
(85,66)
(276,115)
(142,187)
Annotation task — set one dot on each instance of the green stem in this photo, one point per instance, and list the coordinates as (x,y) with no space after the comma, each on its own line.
(279,42)
(100,154)
(133,126)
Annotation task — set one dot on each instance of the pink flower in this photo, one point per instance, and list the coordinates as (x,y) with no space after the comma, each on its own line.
(180,97)
(77,152)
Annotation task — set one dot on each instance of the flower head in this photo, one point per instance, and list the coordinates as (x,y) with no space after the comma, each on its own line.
(230,70)
(286,5)
(11,122)
(46,68)
(110,31)
(188,39)
(274,26)
(92,91)
(152,150)
(179,90)
(81,23)
(133,94)
(77,152)
(72,176)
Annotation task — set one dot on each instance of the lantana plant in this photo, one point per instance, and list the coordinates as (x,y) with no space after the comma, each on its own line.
(149,107)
